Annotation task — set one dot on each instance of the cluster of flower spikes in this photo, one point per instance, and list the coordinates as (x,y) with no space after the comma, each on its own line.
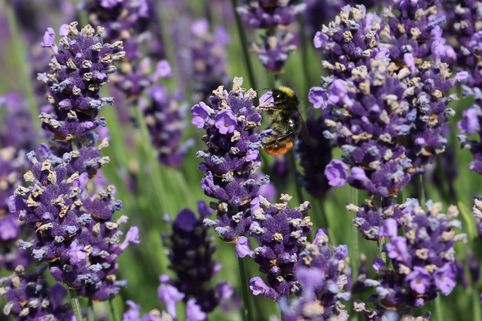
(232,158)
(325,279)
(416,43)
(74,230)
(464,28)
(368,119)
(378,92)
(164,115)
(281,235)
(191,252)
(208,58)
(230,165)
(15,140)
(30,298)
(128,21)
(420,247)
(363,105)
(273,16)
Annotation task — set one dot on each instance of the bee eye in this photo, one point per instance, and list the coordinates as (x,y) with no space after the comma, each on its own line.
(277,95)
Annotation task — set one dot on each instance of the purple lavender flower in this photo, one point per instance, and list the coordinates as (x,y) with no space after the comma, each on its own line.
(426,55)
(170,296)
(30,297)
(471,124)
(372,105)
(368,118)
(350,40)
(134,314)
(207,58)
(371,216)
(15,139)
(276,42)
(325,278)
(20,132)
(164,120)
(191,252)
(274,50)
(79,67)
(269,13)
(75,232)
(422,254)
(232,157)
(319,12)
(120,18)
(73,225)
(281,234)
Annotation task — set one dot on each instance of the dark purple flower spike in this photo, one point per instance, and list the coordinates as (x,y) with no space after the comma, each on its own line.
(191,251)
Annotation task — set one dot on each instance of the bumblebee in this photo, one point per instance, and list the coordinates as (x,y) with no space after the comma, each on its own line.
(286,122)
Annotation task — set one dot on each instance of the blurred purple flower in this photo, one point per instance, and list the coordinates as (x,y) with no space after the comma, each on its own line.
(30,297)
(191,252)
(164,119)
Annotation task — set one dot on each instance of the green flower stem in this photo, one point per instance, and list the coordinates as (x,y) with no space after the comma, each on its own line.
(113,312)
(22,62)
(74,300)
(91,311)
(355,251)
(476,305)
(439,308)
(246,310)
(304,61)
(244,45)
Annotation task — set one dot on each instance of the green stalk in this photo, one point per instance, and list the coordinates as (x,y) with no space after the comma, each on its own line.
(438,308)
(476,306)
(112,310)
(74,301)
(91,312)
(304,60)
(246,311)
(244,46)
(21,61)
(421,186)
(355,250)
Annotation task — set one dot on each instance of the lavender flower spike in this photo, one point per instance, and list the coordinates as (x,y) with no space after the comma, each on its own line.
(75,232)
(281,233)
(325,278)
(191,252)
(80,65)
(232,156)
(30,298)
(164,119)
(420,246)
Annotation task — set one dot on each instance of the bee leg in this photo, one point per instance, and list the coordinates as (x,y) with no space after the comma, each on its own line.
(274,141)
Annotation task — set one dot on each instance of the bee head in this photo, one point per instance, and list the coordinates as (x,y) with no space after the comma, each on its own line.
(285,96)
